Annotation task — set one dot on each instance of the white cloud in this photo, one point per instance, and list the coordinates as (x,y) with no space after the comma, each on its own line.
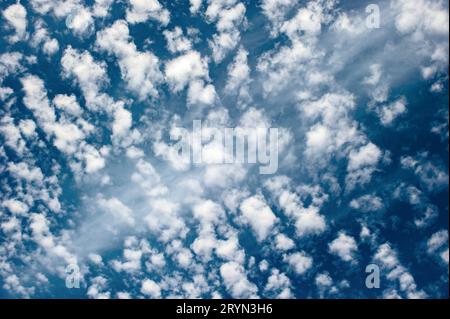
(362,164)
(387,258)
(16,17)
(283,243)
(307,20)
(308,220)
(176,42)
(278,285)
(40,228)
(117,210)
(344,246)
(423,17)
(42,39)
(98,288)
(228,17)
(388,113)
(208,212)
(276,11)
(15,206)
(239,78)
(81,22)
(68,103)
(432,175)
(36,99)
(437,240)
(10,63)
(132,256)
(164,221)
(142,10)
(299,261)
(181,70)
(140,70)
(375,75)
(318,138)
(195,6)
(444,256)
(236,281)
(96,259)
(122,122)
(12,136)
(331,131)
(93,159)
(259,216)
(60,8)
(238,71)
(230,250)
(101,8)
(367,155)
(201,93)
(90,75)
(68,137)
(323,280)
(367,203)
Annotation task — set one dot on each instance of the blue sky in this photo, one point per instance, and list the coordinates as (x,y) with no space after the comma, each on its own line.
(91,92)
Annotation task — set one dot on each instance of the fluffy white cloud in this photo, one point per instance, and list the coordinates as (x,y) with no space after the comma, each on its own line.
(140,70)
(101,8)
(437,241)
(117,210)
(12,135)
(324,280)
(308,220)
(239,78)
(367,155)
(307,20)
(259,216)
(432,175)
(344,246)
(362,164)
(299,261)
(164,220)
(276,11)
(98,288)
(10,62)
(201,93)
(278,285)
(208,212)
(367,203)
(228,15)
(15,206)
(68,137)
(332,130)
(122,122)
(40,228)
(390,112)
(142,10)
(176,42)
(60,8)
(89,74)
(282,242)
(424,17)
(68,103)
(387,258)
(444,256)
(195,6)
(16,16)
(36,99)
(81,22)
(181,70)
(236,281)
